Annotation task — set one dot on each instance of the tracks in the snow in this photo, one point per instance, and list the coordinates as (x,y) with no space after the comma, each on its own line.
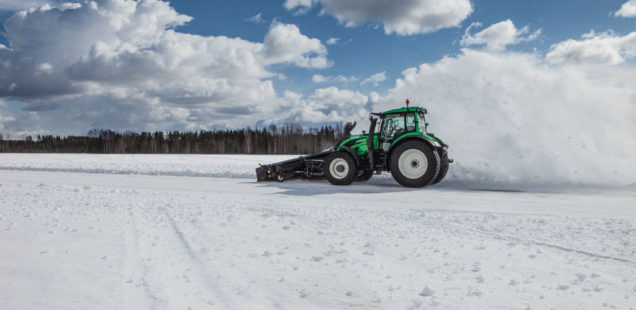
(162,269)
(508,237)
(137,293)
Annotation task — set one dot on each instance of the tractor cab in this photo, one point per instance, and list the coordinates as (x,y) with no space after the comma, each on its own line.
(396,123)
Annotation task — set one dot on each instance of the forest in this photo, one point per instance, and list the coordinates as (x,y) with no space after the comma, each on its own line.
(286,139)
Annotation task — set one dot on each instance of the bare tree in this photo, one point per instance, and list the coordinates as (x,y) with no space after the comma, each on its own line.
(287,139)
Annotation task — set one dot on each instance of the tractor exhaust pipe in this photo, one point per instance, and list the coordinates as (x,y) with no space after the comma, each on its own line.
(370,142)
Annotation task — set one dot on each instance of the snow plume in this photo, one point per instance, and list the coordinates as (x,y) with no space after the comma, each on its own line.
(513,119)
(123,62)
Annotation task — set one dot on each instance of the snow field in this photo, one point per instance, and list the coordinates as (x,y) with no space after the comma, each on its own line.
(227,166)
(113,241)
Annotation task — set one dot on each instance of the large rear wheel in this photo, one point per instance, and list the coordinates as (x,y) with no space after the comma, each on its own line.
(414,164)
(340,169)
(443,169)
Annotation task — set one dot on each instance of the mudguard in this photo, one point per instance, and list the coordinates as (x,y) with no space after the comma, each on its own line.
(350,151)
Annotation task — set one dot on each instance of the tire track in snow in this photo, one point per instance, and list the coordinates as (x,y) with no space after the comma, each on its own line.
(533,242)
(193,257)
(134,268)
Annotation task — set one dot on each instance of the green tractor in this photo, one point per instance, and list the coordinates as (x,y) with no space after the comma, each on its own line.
(402,145)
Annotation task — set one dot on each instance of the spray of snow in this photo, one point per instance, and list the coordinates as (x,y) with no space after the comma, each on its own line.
(512,119)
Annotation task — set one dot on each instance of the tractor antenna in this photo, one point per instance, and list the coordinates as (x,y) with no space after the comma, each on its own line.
(407,103)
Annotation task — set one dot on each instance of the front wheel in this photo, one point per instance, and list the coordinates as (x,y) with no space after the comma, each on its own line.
(340,169)
(414,164)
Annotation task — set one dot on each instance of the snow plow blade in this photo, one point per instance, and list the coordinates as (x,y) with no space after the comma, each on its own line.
(306,166)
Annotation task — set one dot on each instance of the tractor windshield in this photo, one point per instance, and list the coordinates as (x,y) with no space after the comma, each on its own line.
(392,126)
(396,125)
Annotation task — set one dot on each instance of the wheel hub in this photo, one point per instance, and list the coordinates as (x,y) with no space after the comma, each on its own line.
(413,163)
(339,168)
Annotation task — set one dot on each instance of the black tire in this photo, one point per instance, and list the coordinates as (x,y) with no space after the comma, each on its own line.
(365,176)
(443,169)
(414,174)
(340,169)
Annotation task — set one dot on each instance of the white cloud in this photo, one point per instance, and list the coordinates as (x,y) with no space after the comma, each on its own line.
(285,44)
(332,41)
(4,119)
(319,78)
(512,118)
(15,5)
(628,9)
(498,36)
(121,64)
(601,48)
(375,79)
(44,68)
(325,105)
(292,4)
(400,17)
(257,19)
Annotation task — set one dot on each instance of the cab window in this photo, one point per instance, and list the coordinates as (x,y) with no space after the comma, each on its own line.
(392,126)
(410,122)
(422,122)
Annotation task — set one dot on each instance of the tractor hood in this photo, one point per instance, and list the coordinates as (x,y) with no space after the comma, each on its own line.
(358,143)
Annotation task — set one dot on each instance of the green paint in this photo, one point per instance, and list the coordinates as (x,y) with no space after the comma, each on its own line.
(402,110)
(358,143)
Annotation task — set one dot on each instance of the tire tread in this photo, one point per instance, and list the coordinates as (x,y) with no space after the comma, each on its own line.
(431,172)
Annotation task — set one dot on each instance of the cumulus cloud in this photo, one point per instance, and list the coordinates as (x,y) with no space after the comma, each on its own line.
(512,119)
(375,79)
(15,5)
(498,36)
(325,105)
(600,48)
(285,44)
(400,17)
(319,78)
(121,64)
(628,9)
(4,118)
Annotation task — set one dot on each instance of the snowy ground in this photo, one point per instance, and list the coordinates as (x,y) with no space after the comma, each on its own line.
(167,232)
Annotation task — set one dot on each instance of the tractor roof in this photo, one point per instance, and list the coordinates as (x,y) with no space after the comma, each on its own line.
(403,110)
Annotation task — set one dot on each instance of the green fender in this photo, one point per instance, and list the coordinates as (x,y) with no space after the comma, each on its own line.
(350,152)
(417,135)
(412,136)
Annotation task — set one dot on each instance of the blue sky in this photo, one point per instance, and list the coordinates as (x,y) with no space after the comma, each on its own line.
(360,48)
(156,65)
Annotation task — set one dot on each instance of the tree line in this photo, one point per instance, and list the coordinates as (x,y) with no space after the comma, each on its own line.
(286,139)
